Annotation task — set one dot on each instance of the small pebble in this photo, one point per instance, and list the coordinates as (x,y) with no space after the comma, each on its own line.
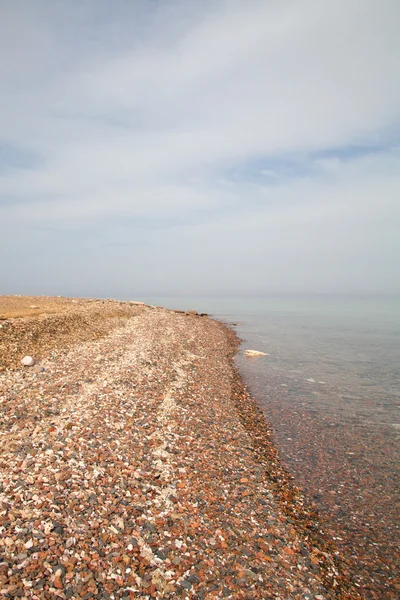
(27,361)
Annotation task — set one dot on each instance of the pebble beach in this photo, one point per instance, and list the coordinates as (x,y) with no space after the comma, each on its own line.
(134,463)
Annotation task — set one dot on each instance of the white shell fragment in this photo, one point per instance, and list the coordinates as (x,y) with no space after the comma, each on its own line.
(27,361)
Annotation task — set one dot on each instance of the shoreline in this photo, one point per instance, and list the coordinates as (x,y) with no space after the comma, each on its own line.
(196,415)
(298,509)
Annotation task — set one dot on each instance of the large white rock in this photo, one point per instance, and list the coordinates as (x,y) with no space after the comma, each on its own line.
(254,353)
(27,361)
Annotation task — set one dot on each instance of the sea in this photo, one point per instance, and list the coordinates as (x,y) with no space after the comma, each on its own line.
(329,387)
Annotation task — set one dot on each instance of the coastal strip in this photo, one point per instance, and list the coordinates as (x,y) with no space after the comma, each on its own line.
(135,464)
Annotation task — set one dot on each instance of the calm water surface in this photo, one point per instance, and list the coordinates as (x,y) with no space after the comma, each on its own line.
(330,387)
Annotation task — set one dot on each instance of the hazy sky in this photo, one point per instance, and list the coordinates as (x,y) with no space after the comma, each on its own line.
(199,146)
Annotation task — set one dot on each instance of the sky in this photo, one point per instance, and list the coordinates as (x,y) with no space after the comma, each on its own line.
(199,147)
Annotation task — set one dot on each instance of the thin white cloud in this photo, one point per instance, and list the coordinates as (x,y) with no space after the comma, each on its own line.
(144,114)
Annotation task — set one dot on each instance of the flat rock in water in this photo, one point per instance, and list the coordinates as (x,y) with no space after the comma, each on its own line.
(27,361)
(254,353)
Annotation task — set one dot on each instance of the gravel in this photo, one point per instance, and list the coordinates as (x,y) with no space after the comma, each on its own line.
(137,465)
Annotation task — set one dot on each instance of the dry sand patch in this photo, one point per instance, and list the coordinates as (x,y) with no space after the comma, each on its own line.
(15,307)
(32,325)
